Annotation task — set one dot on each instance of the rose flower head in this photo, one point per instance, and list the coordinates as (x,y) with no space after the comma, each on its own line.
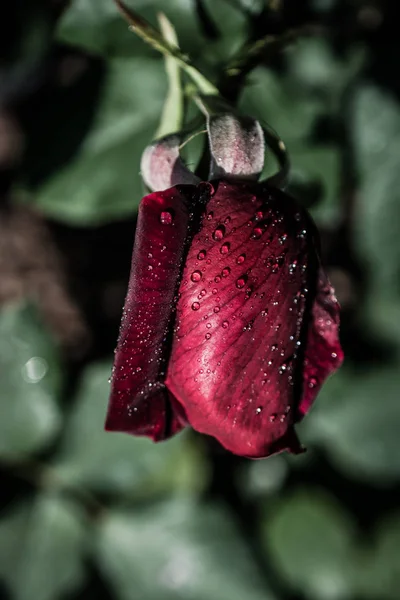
(230,325)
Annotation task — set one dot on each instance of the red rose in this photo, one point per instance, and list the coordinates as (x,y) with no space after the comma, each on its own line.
(230,325)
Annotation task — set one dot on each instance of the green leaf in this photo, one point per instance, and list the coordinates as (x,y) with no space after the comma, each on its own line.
(321,164)
(178,550)
(309,540)
(30,383)
(102,181)
(376,138)
(173,109)
(357,420)
(117,462)
(101,29)
(276,101)
(314,66)
(231,26)
(379,564)
(41,549)
(263,477)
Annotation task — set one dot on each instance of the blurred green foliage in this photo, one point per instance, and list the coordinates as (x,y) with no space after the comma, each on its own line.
(89,514)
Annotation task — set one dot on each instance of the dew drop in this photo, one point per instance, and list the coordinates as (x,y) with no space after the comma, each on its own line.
(196,276)
(166,217)
(312,383)
(240,259)
(264,312)
(257,233)
(272,418)
(259,215)
(258,410)
(225,271)
(214,291)
(208,325)
(334,355)
(241,282)
(195,306)
(207,336)
(282,369)
(217,279)
(225,324)
(274,347)
(217,309)
(201,255)
(249,292)
(283,239)
(210,216)
(225,248)
(219,233)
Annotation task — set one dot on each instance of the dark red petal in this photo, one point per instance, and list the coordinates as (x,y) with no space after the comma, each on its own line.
(323,353)
(236,361)
(139,401)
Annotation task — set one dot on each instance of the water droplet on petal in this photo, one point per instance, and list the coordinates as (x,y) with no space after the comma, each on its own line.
(225,324)
(201,255)
(166,217)
(217,309)
(283,239)
(272,418)
(207,336)
(241,281)
(219,233)
(258,410)
(240,259)
(257,233)
(225,271)
(196,276)
(225,248)
(312,383)
(195,306)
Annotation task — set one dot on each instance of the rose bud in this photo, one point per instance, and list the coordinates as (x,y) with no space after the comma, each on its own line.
(230,325)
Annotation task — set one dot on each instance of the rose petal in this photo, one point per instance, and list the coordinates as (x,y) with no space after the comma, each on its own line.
(236,361)
(323,353)
(139,401)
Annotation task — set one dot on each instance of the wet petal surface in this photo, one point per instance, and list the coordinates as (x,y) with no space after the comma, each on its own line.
(139,402)
(242,319)
(323,353)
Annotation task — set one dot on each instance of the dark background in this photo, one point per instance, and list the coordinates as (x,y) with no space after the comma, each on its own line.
(85,514)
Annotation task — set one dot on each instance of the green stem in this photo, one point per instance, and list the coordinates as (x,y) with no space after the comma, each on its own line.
(153,37)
